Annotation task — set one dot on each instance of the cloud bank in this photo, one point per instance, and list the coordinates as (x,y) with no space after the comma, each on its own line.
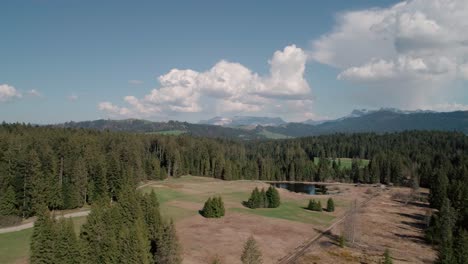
(227,87)
(409,54)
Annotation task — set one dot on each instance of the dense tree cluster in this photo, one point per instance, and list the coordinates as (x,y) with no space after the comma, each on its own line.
(264,199)
(213,208)
(129,231)
(315,205)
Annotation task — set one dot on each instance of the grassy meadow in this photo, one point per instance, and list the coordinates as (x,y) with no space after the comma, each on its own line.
(182,198)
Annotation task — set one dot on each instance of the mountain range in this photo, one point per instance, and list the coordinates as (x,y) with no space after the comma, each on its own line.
(250,127)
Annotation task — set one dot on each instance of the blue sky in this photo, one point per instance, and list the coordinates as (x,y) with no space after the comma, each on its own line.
(192,60)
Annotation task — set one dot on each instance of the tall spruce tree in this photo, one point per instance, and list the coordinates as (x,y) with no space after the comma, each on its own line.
(251,253)
(330,205)
(43,238)
(8,204)
(447,221)
(67,248)
(170,250)
(273,197)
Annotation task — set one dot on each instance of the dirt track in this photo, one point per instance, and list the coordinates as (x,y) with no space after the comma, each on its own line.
(68,215)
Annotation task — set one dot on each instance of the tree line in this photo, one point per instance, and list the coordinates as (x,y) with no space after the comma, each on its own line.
(67,168)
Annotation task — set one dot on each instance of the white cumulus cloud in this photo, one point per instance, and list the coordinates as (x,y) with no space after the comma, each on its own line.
(415,49)
(229,87)
(8,92)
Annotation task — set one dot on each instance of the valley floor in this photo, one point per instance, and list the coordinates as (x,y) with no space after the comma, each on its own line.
(385,221)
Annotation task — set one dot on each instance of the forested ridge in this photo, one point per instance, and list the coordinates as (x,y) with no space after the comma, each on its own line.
(64,168)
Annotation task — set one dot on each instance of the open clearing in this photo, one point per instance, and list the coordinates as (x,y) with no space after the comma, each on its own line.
(385,222)
(279,231)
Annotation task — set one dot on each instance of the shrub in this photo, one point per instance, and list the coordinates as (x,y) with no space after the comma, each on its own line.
(213,208)
(314,205)
(330,205)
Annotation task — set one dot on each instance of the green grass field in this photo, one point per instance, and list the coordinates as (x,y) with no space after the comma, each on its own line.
(15,246)
(347,162)
(197,189)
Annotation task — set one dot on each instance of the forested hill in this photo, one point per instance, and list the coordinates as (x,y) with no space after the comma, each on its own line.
(171,127)
(381,121)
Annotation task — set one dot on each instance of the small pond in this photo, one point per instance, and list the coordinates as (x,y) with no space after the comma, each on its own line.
(300,187)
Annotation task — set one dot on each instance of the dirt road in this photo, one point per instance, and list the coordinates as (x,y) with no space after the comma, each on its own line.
(69,215)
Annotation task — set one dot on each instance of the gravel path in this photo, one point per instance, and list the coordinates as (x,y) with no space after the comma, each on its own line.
(69,215)
(31,224)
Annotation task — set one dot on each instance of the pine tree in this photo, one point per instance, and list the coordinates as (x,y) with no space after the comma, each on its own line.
(439,189)
(387,257)
(461,247)
(8,204)
(263,199)
(98,234)
(447,221)
(314,205)
(134,244)
(251,253)
(170,250)
(319,206)
(330,205)
(43,238)
(273,197)
(66,246)
(207,210)
(213,208)
(255,199)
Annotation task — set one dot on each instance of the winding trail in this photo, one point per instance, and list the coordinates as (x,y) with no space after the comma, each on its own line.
(68,215)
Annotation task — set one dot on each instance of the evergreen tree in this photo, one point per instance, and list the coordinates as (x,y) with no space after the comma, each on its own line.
(461,247)
(98,234)
(170,250)
(447,220)
(330,205)
(8,204)
(314,205)
(251,253)
(263,199)
(207,210)
(213,208)
(439,189)
(43,238)
(273,197)
(387,257)
(319,206)
(66,246)
(255,199)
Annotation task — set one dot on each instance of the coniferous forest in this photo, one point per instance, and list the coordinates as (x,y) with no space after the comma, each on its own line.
(58,168)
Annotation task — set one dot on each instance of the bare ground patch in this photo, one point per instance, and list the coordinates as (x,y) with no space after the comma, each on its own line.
(385,222)
(202,238)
